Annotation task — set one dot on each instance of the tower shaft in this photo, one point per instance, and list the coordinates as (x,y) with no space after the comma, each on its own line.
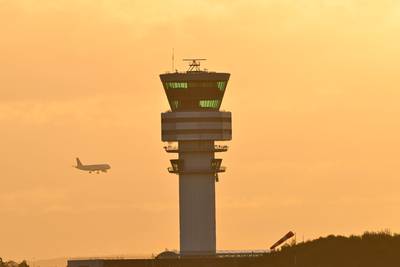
(197,199)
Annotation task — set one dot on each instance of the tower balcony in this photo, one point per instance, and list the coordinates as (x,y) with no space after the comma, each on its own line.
(178,167)
(177,171)
(217,148)
(171,149)
(220,148)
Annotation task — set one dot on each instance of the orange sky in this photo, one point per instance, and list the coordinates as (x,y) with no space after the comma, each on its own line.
(315,98)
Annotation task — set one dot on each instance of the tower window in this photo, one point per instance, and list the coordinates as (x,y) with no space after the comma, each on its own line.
(175,104)
(176,85)
(221,85)
(214,103)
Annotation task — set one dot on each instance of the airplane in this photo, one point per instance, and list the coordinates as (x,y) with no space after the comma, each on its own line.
(92,168)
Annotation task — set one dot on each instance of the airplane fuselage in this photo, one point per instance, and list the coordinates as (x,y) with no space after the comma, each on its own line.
(94,168)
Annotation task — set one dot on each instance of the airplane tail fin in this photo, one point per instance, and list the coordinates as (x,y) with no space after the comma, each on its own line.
(78,162)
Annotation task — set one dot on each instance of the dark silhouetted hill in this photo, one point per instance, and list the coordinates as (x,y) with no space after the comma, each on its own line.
(380,249)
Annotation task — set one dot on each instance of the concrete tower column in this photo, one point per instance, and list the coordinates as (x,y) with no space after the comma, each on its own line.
(197,199)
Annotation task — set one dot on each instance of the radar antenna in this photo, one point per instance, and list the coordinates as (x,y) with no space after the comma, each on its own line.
(194,64)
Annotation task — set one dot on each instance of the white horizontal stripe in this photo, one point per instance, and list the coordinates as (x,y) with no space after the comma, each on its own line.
(197,125)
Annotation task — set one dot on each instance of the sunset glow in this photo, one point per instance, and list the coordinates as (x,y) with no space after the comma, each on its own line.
(314,92)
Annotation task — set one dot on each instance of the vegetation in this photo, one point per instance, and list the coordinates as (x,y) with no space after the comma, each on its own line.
(370,249)
(13,263)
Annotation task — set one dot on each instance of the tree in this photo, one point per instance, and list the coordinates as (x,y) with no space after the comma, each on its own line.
(23,264)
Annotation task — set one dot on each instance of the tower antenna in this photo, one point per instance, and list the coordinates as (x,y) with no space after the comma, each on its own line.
(173,60)
(194,64)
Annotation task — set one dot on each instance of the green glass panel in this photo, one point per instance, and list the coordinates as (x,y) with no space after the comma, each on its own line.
(221,85)
(176,85)
(209,103)
(175,104)
(206,85)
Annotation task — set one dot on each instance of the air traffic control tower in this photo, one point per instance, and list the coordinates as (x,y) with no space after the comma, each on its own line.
(193,124)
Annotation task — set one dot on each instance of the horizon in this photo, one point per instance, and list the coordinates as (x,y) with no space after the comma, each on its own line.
(313,94)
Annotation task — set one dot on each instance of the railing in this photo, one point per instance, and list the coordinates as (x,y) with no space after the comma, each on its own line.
(244,253)
(116,257)
(171,149)
(217,148)
(173,170)
(220,148)
(221,254)
(221,169)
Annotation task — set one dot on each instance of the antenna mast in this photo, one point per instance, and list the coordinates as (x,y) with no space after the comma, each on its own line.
(194,64)
(173,60)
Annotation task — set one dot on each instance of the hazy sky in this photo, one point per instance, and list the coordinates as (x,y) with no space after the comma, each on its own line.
(314,92)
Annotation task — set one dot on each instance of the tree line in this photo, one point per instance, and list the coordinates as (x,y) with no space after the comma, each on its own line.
(13,263)
(372,249)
